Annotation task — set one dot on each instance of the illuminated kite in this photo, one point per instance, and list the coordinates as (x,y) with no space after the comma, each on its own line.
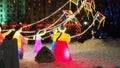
(88,8)
(100,18)
(69,14)
(76,2)
(92,3)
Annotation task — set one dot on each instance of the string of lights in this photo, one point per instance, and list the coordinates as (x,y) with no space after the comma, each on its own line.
(65,21)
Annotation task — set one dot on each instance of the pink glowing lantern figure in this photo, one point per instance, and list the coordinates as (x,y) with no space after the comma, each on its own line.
(61,50)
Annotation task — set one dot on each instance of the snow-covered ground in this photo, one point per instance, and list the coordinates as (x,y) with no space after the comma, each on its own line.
(93,53)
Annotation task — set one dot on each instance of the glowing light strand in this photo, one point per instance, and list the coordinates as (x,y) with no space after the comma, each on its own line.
(49,26)
(53,23)
(82,32)
(75,13)
(68,19)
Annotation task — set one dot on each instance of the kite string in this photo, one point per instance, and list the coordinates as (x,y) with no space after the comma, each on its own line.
(53,23)
(74,35)
(69,18)
(82,32)
(42,19)
(49,26)
(75,13)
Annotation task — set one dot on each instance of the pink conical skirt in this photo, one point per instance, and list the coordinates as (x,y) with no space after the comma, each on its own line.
(61,52)
(38,45)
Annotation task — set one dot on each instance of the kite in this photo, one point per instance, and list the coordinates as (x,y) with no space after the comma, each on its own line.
(100,18)
(88,8)
(69,14)
(76,2)
(92,2)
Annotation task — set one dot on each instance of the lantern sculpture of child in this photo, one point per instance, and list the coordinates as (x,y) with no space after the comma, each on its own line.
(38,43)
(61,50)
(21,40)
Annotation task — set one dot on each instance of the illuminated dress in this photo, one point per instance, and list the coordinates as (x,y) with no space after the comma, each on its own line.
(53,46)
(38,43)
(54,42)
(61,51)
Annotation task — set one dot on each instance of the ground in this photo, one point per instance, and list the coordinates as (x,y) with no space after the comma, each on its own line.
(93,53)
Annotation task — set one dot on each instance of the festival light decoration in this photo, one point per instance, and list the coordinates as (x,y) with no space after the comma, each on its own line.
(88,9)
(38,43)
(65,21)
(100,18)
(76,2)
(61,50)
(92,4)
(20,41)
(69,14)
(62,53)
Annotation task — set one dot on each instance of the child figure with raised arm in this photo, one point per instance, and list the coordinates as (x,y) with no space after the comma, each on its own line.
(38,43)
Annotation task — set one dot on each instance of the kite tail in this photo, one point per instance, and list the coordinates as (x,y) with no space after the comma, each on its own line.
(70,5)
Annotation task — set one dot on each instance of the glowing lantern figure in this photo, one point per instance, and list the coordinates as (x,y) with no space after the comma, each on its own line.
(69,14)
(38,43)
(61,51)
(20,41)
